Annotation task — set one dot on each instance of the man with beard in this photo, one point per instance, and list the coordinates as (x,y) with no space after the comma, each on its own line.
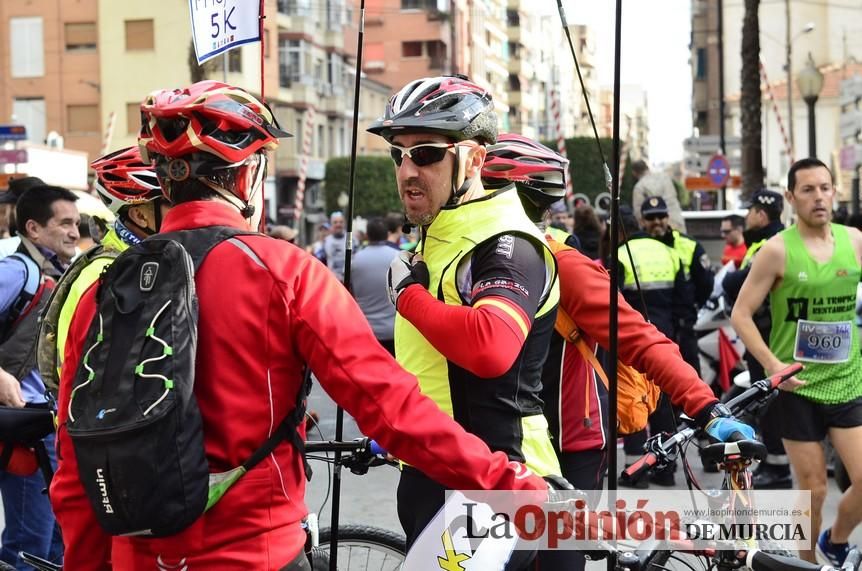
(810,272)
(476,304)
(695,265)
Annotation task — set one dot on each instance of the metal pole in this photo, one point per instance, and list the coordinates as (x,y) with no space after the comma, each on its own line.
(348,255)
(789,68)
(812,131)
(854,192)
(613,346)
(722,194)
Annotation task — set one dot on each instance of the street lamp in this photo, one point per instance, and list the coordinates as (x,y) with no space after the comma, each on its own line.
(810,83)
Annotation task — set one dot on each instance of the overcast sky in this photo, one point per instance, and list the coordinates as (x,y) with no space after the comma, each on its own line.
(655,55)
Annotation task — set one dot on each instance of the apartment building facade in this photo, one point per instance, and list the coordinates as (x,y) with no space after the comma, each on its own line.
(825,31)
(78,66)
(50,78)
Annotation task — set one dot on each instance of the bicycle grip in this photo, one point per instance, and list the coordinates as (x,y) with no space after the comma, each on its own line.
(375,448)
(784,374)
(642,464)
(760,561)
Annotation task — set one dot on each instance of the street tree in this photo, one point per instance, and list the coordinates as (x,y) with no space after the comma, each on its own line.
(750,101)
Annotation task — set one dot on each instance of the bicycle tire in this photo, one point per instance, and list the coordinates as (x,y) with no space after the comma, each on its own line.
(366,548)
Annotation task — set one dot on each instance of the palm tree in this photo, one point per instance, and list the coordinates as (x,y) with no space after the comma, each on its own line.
(203,71)
(750,100)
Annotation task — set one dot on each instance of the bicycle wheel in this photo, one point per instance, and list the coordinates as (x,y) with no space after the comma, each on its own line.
(366,548)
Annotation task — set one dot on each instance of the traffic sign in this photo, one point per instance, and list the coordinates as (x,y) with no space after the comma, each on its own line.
(13,156)
(13,133)
(718,170)
(697,164)
(693,183)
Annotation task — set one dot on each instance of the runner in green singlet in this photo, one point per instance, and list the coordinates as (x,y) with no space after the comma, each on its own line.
(810,271)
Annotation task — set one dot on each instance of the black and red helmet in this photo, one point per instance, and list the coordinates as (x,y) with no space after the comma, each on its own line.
(124,179)
(537,171)
(451,106)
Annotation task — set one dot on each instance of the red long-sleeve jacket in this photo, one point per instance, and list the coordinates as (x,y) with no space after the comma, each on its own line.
(569,380)
(266,310)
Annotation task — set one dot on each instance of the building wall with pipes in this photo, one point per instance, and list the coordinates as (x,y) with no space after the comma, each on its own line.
(50,77)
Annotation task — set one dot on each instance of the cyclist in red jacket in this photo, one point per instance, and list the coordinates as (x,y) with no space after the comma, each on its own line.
(267,309)
(575,399)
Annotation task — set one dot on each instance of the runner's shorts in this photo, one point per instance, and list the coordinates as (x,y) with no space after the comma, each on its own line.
(805,420)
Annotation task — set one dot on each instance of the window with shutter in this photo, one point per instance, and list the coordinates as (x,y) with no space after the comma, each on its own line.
(80,36)
(139,35)
(30,112)
(27,51)
(82,119)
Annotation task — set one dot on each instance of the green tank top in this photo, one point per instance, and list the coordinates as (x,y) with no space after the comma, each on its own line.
(813,318)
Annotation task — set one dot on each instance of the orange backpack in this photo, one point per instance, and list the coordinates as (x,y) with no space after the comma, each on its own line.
(637,396)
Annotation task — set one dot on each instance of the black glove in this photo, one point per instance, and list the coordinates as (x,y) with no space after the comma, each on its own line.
(405,271)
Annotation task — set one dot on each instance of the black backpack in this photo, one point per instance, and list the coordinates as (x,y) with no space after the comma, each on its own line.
(133,417)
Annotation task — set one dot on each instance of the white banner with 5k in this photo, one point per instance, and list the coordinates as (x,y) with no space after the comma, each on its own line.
(220,25)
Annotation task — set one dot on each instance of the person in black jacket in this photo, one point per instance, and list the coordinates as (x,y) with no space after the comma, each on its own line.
(588,230)
(696,266)
(762,222)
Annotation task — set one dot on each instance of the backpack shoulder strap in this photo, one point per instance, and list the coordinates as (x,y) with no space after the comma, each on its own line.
(33,274)
(32,286)
(199,242)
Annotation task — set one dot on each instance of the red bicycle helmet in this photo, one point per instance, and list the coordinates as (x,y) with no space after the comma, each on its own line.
(211,131)
(210,117)
(123,179)
(538,172)
(452,106)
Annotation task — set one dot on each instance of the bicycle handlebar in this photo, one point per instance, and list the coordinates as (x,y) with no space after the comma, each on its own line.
(357,446)
(361,453)
(662,448)
(761,561)
(762,386)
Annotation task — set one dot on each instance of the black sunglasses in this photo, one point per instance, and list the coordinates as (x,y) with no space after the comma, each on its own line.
(421,155)
(654,216)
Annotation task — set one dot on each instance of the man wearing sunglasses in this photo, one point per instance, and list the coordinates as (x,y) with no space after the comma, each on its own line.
(695,265)
(476,304)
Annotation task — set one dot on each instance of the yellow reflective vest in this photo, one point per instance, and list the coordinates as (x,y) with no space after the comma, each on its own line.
(505,412)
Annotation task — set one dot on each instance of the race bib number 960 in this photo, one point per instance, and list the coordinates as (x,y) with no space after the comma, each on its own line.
(819,342)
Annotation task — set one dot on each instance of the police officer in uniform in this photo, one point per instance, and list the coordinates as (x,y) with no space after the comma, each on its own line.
(661,293)
(695,263)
